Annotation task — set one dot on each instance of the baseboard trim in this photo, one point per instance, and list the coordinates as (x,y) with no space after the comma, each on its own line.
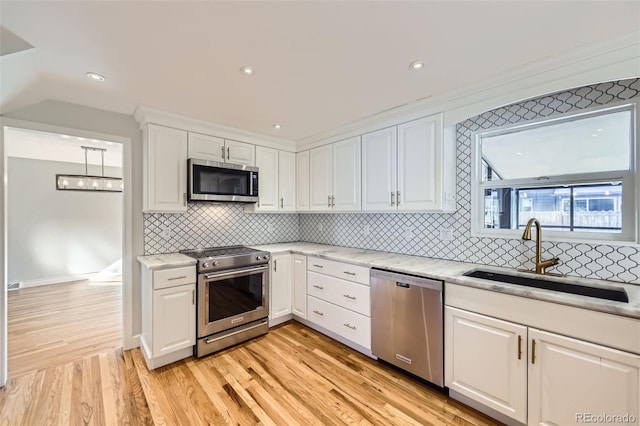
(54,280)
(484,409)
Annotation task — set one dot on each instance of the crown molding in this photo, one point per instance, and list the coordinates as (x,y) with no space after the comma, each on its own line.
(146,115)
(613,59)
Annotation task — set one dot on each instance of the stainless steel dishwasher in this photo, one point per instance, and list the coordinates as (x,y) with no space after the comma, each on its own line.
(407,323)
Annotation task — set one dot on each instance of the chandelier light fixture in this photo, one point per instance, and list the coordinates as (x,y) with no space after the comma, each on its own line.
(87,182)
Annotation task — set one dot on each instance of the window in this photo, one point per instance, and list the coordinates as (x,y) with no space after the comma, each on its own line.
(574,173)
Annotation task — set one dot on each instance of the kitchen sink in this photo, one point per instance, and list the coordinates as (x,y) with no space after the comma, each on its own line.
(618,295)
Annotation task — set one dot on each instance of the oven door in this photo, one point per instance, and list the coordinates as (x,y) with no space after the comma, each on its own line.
(231,298)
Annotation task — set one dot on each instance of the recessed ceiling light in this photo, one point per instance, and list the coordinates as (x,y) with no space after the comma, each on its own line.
(276,126)
(247,70)
(95,76)
(65,136)
(416,65)
(599,130)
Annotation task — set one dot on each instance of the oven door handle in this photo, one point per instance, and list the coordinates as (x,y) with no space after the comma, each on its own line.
(236,272)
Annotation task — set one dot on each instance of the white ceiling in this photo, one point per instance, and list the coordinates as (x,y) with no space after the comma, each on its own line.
(319,65)
(54,147)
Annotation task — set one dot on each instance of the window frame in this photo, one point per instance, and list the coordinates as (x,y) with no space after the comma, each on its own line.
(630,179)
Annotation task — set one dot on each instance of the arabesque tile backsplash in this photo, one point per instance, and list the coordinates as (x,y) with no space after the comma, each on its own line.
(207,225)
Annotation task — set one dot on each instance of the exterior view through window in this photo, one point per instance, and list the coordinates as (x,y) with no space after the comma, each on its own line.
(574,173)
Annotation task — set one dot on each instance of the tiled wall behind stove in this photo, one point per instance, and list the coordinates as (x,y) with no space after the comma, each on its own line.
(214,225)
(621,263)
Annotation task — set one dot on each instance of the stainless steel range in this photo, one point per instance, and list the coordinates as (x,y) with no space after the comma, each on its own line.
(233,301)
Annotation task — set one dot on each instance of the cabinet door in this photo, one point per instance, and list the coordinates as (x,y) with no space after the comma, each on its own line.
(240,153)
(347,175)
(174,319)
(486,361)
(287,181)
(320,178)
(570,378)
(379,171)
(280,295)
(302,186)
(165,156)
(204,147)
(299,300)
(267,162)
(420,165)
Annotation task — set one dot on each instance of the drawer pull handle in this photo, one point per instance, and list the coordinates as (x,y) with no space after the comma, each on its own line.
(317,266)
(349,297)
(177,278)
(353,327)
(350,273)
(319,313)
(318,287)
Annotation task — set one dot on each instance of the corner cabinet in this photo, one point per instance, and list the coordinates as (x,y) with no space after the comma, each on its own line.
(409,167)
(299,299)
(513,368)
(168,315)
(335,176)
(302,181)
(165,169)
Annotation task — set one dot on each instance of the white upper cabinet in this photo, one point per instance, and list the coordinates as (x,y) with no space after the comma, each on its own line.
(276,181)
(321,178)
(205,147)
(165,169)
(419,164)
(335,176)
(267,163)
(211,148)
(346,175)
(379,170)
(410,167)
(287,181)
(240,153)
(302,181)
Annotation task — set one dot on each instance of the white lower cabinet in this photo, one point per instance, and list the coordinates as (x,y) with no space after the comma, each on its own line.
(538,377)
(280,289)
(485,361)
(299,299)
(168,315)
(570,379)
(340,306)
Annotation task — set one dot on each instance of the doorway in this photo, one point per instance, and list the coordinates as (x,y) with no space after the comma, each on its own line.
(64,247)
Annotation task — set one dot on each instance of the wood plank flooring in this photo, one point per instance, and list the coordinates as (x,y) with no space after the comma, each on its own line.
(293,375)
(54,324)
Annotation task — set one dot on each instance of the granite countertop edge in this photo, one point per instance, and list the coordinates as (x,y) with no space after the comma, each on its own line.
(453,272)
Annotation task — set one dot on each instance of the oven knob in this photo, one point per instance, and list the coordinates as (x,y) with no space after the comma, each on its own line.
(259,258)
(215,263)
(266,257)
(205,264)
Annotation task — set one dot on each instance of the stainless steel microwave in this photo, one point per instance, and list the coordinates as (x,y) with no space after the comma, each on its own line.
(222,182)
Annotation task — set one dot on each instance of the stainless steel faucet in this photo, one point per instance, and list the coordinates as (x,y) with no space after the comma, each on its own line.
(541,265)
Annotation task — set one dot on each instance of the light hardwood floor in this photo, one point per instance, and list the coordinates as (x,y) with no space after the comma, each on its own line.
(290,376)
(54,324)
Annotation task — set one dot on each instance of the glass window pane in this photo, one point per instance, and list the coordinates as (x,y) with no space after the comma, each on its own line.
(581,208)
(584,145)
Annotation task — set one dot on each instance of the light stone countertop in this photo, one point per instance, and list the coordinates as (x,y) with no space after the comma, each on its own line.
(452,272)
(166,261)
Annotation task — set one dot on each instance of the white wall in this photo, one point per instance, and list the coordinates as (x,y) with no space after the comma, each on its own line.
(55,233)
(73,116)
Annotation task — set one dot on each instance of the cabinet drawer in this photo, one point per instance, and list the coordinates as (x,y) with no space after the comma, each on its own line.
(345,271)
(348,324)
(165,278)
(343,293)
